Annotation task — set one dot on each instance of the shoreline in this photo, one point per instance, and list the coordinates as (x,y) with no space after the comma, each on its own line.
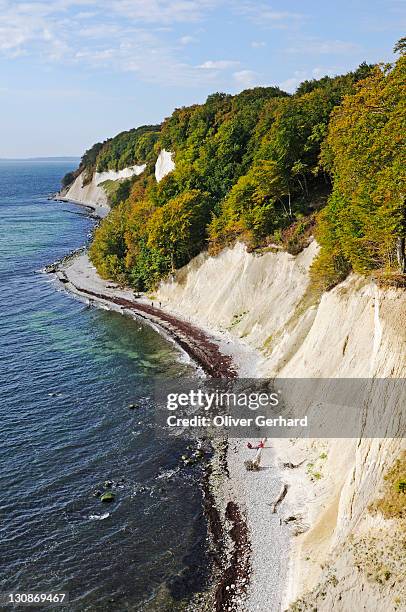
(193,341)
(230,548)
(97,211)
(237,507)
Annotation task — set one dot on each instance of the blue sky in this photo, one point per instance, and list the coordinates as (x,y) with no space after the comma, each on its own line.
(74,72)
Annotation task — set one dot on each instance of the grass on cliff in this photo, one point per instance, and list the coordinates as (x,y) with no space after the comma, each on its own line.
(392,503)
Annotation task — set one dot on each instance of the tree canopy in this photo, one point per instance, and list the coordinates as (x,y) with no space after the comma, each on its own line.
(364,222)
(260,167)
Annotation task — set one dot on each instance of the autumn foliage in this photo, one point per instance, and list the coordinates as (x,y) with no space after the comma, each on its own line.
(265,167)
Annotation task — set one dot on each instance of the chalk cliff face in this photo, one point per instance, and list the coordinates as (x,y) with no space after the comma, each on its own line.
(113,175)
(164,165)
(344,557)
(91,194)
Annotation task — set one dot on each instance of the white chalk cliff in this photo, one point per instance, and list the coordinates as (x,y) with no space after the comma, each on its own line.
(344,557)
(91,194)
(113,175)
(164,165)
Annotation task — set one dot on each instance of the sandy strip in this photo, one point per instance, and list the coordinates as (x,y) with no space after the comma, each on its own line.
(99,211)
(218,354)
(262,586)
(80,277)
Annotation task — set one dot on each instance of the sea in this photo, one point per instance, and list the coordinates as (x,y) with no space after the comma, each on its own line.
(68,376)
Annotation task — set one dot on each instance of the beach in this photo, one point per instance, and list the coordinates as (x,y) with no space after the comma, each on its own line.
(70,374)
(283,524)
(253,571)
(203,274)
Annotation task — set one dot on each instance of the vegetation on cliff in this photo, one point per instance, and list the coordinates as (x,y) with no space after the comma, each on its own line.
(130,148)
(364,223)
(265,167)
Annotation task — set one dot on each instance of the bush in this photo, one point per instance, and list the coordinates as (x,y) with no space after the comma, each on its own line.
(108,249)
(68,179)
(298,236)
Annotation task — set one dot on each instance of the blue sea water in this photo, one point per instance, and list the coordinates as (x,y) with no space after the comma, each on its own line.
(55,450)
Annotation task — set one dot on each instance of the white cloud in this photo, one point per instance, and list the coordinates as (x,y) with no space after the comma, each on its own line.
(95,57)
(324,47)
(187,40)
(263,15)
(268,15)
(290,85)
(100,30)
(133,36)
(246,78)
(85,15)
(119,35)
(318,72)
(162,11)
(147,57)
(12,37)
(30,27)
(321,71)
(219,64)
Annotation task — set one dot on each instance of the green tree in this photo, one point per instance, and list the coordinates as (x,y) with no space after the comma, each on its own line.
(108,249)
(400,46)
(364,222)
(255,207)
(68,179)
(177,230)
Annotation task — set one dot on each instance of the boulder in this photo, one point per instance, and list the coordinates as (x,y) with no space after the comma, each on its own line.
(108,496)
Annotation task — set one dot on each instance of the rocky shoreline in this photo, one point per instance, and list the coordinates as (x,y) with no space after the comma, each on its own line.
(303,545)
(191,339)
(95,210)
(229,544)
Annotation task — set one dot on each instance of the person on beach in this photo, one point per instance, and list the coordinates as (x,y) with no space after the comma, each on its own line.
(260,445)
(253,465)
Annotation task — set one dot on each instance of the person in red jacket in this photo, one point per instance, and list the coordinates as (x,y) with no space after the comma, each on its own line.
(260,445)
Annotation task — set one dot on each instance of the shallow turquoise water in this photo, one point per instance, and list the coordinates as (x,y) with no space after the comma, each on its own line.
(57,449)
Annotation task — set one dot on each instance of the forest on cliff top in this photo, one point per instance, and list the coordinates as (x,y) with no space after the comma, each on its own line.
(269,169)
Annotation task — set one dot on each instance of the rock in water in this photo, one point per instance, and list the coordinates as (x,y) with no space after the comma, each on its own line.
(107,497)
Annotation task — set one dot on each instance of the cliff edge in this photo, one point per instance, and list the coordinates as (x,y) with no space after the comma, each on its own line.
(345,555)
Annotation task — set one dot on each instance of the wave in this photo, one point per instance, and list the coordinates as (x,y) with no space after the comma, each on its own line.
(99,517)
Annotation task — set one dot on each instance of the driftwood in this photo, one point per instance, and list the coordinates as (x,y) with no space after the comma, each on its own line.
(298,525)
(252,465)
(279,499)
(291,465)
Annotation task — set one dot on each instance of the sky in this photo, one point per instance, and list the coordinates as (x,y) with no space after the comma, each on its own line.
(75,72)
